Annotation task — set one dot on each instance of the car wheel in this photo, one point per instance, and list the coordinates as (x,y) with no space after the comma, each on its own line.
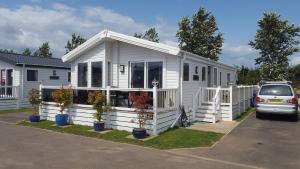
(258,115)
(295,117)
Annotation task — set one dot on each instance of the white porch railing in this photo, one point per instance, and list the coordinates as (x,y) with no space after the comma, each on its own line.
(9,92)
(236,99)
(164,100)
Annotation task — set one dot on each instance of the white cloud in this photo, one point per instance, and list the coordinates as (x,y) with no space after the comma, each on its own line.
(29,26)
(295,60)
(238,49)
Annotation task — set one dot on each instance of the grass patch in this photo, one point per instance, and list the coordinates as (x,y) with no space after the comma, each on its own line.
(244,114)
(26,110)
(173,138)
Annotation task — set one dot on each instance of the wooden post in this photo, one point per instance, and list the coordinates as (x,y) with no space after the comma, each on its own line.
(41,97)
(155,109)
(108,123)
(231,100)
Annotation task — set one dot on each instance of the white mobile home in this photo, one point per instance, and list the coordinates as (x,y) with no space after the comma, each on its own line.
(120,64)
(19,74)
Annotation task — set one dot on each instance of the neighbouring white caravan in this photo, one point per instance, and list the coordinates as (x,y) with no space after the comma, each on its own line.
(119,64)
(19,74)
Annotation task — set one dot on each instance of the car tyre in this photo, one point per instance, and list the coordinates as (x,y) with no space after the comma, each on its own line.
(258,115)
(295,117)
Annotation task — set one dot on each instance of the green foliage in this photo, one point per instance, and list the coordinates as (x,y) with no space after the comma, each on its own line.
(26,52)
(295,75)
(150,35)
(34,98)
(200,35)
(7,51)
(74,42)
(275,40)
(98,101)
(63,98)
(43,50)
(248,76)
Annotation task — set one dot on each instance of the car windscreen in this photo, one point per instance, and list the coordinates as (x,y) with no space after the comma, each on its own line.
(276,90)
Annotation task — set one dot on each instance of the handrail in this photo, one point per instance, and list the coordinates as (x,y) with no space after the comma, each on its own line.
(216,104)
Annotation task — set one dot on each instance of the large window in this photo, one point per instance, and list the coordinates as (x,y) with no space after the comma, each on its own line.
(228,79)
(9,77)
(155,72)
(186,72)
(96,74)
(69,76)
(137,74)
(220,78)
(32,75)
(215,76)
(203,73)
(108,73)
(82,75)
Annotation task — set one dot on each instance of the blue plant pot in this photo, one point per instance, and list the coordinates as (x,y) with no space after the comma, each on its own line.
(99,126)
(34,118)
(61,119)
(139,133)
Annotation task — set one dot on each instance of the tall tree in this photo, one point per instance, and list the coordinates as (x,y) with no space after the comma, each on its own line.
(75,41)
(149,34)
(247,76)
(43,51)
(200,35)
(276,40)
(27,52)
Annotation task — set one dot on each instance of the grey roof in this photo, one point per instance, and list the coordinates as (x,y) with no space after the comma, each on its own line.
(18,59)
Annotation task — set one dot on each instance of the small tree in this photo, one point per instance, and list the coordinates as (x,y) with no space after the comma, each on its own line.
(75,41)
(35,100)
(97,99)
(27,52)
(63,98)
(141,103)
(43,51)
(150,35)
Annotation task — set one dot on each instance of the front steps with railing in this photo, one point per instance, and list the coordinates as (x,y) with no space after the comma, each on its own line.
(204,113)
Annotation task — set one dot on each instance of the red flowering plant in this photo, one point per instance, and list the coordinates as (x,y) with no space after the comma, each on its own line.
(141,102)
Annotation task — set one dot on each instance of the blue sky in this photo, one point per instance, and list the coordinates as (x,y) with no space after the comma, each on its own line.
(29,23)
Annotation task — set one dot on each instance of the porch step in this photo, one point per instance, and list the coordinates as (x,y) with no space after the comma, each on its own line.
(204,116)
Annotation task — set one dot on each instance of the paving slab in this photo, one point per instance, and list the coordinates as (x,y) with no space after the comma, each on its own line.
(272,142)
(32,148)
(14,117)
(220,127)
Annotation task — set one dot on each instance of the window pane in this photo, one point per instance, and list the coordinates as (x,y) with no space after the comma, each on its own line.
(155,72)
(69,76)
(276,90)
(9,77)
(96,74)
(137,75)
(108,73)
(203,73)
(228,78)
(3,77)
(186,72)
(82,75)
(220,78)
(215,76)
(32,75)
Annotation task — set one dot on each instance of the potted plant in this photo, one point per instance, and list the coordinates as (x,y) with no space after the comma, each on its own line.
(63,99)
(35,100)
(97,99)
(141,103)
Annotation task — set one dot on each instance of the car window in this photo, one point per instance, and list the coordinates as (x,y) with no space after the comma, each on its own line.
(276,90)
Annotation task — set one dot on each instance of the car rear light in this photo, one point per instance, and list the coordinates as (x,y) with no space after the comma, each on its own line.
(259,100)
(293,101)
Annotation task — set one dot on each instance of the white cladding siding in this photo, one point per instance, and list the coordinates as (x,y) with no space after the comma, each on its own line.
(95,54)
(44,78)
(130,53)
(16,72)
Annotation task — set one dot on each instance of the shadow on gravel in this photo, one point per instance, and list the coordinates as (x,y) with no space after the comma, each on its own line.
(279,117)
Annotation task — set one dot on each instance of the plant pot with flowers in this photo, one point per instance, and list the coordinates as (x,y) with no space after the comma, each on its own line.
(63,99)
(98,100)
(35,100)
(141,103)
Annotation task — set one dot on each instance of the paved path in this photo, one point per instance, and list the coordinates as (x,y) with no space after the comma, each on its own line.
(13,117)
(30,148)
(272,142)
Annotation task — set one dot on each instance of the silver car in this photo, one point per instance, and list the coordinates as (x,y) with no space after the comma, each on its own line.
(276,98)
